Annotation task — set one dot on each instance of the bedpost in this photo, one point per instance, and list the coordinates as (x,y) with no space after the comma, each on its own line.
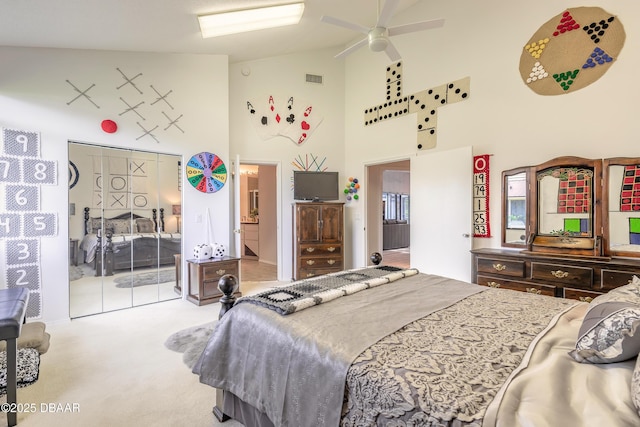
(376,258)
(108,255)
(227,284)
(161,219)
(86,221)
(154,216)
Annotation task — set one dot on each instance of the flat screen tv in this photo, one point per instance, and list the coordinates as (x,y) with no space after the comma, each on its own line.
(315,186)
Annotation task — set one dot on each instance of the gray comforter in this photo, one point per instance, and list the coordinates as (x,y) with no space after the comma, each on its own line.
(293,367)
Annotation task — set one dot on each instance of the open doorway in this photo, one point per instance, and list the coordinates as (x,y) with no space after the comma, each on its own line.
(388,212)
(258,222)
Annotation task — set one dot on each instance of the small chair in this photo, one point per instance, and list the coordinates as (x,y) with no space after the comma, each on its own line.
(13,307)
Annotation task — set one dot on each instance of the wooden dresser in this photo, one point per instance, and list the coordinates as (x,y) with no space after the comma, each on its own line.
(318,233)
(580,278)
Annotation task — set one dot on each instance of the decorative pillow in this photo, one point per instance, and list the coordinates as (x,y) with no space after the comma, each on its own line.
(145,225)
(610,330)
(118,226)
(635,386)
(95,224)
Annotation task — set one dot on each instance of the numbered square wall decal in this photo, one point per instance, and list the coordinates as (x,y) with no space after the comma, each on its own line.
(36,171)
(24,251)
(27,276)
(21,143)
(40,224)
(22,198)
(10,169)
(10,225)
(34,306)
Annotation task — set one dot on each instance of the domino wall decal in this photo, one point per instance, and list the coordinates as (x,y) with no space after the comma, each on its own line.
(424,104)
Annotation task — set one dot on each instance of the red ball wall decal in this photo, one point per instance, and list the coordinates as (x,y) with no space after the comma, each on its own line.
(109,126)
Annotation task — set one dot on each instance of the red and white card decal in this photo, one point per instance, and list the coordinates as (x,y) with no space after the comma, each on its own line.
(481,196)
(295,119)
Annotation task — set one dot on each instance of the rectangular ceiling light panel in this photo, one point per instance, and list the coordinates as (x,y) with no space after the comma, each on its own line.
(240,21)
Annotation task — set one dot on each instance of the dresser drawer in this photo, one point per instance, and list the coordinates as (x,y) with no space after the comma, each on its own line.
(322,262)
(579,277)
(320,250)
(580,294)
(306,272)
(515,285)
(611,279)
(502,267)
(217,270)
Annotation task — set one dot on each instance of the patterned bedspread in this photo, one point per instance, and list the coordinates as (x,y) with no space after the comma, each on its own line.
(466,353)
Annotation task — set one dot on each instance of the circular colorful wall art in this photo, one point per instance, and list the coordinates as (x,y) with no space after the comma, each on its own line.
(206,172)
(571,50)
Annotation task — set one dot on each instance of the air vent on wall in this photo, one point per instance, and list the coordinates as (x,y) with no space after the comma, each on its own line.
(313,78)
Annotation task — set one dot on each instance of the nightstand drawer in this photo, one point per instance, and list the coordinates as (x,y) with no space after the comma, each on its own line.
(214,272)
(501,267)
(580,277)
(611,279)
(515,285)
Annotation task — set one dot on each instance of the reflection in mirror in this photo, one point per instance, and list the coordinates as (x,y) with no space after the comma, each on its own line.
(515,207)
(623,206)
(124,228)
(565,202)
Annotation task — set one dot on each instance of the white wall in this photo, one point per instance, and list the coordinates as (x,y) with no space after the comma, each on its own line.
(503,117)
(35,96)
(283,77)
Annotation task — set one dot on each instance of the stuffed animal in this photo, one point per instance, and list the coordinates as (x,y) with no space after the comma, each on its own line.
(202,252)
(219,250)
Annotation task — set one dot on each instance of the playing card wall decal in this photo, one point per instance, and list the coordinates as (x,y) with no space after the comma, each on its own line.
(296,119)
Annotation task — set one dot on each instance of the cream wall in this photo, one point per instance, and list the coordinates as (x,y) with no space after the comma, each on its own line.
(503,117)
(283,77)
(35,96)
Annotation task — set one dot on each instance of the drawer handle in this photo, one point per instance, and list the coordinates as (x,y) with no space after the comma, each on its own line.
(331,249)
(311,249)
(310,274)
(586,299)
(310,262)
(559,274)
(499,267)
(221,272)
(331,261)
(493,284)
(534,291)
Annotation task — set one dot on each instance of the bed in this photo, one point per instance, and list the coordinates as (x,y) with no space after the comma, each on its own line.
(128,241)
(392,347)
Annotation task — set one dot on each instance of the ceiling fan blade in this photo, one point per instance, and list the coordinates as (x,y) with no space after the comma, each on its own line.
(352,48)
(387,12)
(392,52)
(344,24)
(416,26)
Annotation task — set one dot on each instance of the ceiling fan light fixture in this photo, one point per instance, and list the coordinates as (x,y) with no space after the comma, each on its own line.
(240,21)
(378,40)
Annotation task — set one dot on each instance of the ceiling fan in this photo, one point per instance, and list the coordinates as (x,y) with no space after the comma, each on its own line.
(378,36)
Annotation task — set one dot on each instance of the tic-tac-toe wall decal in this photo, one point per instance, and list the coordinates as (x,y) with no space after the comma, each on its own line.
(137,104)
(22,223)
(424,104)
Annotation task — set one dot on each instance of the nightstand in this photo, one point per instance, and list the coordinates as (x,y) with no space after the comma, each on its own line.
(204,275)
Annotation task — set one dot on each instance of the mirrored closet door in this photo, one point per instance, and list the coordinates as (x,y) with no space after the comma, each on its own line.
(124,228)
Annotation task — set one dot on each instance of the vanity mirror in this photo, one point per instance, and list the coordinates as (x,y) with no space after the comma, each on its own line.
(621,210)
(556,205)
(515,207)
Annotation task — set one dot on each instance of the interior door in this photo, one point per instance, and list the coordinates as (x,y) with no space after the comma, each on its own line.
(236,210)
(441,209)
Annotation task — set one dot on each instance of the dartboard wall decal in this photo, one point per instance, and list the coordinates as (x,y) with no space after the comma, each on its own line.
(206,172)
(571,51)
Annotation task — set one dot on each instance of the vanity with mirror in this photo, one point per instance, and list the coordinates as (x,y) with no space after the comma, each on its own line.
(570,228)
